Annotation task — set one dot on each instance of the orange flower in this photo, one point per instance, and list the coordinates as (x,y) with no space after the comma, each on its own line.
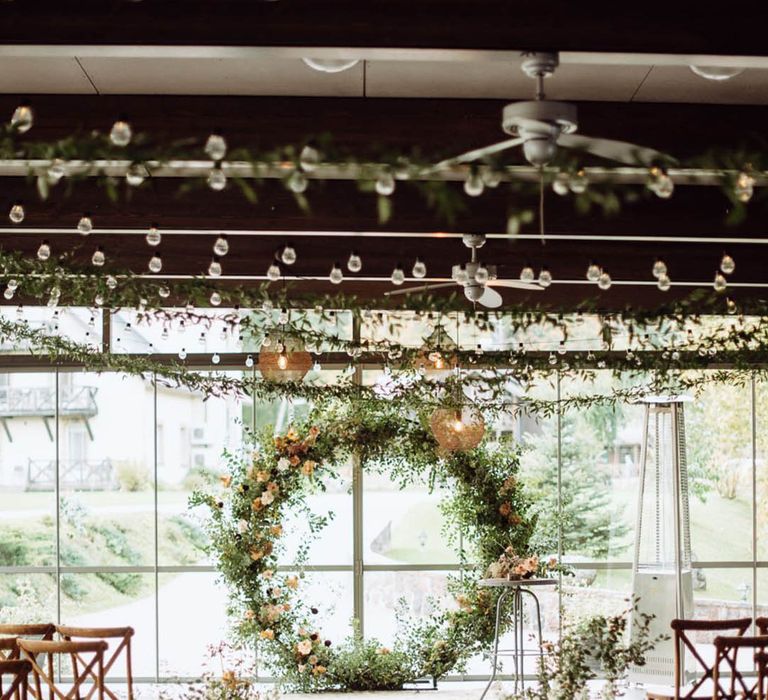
(276,530)
(292,435)
(272,487)
(308,467)
(505,508)
(257,504)
(383,651)
(286,607)
(262,476)
(318,670)
(312,660)
(226,480)
(256,554)
(267,573)
(267,634)
(515,519)
(294,460)
(292,582)
(229,679)
(249,614)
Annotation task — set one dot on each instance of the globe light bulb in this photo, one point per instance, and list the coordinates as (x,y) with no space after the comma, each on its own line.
(182,354)
(16,215)
(214,269)
(8,293)
(474,185)
(215,358)
(336,275)
(398,276)
(55,172)
(217,180)
(545,277)
(155,263)
(22,119)
(527,274)
(659,268)
(273,272)
(604,281)
(491,177)
(727,264)
(355,262)
(44,251)
(458,423)
(663,282)
(719,282)
(419,269)
(481,274)
(215,299)
(249,361)
(98,258)
(288,256)
(85,225)
(215,147)
(309,158)
(297,182)
(13,284)
(153,236)
(744,187)
(120,134)
(164,292)
(461,275)
(385,183)
(561,184)
(282,361)
(578,182)
(730,306)
(660,183)
(135,174)
(111,282)
(593,272)
(221,246)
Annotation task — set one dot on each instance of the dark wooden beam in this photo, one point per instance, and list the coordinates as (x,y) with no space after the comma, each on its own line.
(482,24)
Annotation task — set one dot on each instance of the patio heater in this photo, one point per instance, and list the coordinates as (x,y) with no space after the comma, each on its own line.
(661,569)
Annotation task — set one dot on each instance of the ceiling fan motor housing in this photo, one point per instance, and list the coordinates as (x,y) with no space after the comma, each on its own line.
(540,123)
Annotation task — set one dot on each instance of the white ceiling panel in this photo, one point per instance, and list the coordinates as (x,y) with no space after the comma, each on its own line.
(29,75)
(501,80)
(220,76)
(680,84)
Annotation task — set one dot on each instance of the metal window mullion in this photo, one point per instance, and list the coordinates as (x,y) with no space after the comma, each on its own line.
(157,536)
(754,499)
(559,509)
(57,487)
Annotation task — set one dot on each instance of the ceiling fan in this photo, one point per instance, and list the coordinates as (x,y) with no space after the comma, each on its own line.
(476,279)
(541,126)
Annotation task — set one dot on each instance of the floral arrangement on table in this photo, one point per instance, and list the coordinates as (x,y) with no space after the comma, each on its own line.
(272,478)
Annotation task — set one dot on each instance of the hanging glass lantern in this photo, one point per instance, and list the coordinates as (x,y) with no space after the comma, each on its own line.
(457,428)
(287,361)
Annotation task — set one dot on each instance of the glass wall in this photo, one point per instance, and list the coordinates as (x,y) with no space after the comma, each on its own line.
(96,471)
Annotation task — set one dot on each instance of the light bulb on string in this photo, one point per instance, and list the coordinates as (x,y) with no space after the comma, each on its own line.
(111,282)
(183,354)
(385,183)
(604,281)
(461,276)
(153,236)
(545,278)
(309,158)
(474,185)
(297,182)
(85,225)
(13,284)
(8,293)
(221,246)
(730,305)
(561,184)
(284,317)
(578,182)
(659,268)
(55,172)
(216,358)
(214,268)
(22,118)
(273,272)
(336,275)
(155,263)
(663,282)
(491,176)
(135,174)
(727,264)
(163,292)
(419,270)
(120,134)
(44,251)
(458,424)
(16,214)
(719,282)
(217,179)
(355,262)
(215,147)
(527,274)
(215,299)
(19,313)
(282,360)
(593,272)
(249,361)
(398,276)
(288,256)
(98,258)
(660,183)
(744,187)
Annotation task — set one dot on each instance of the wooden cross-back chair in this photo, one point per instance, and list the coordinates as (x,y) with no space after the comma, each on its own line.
(9,650)
(91,671)
(43,631)
(19,671)
(682,631)
(124,634)
(726,662)
(761,624)
(761,661)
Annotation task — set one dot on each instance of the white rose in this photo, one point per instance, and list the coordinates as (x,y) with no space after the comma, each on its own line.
(283,464)
(267,498)
(242,526)
(304,646)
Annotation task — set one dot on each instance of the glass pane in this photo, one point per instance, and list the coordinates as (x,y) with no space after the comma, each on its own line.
(192,434)
(27,469)
(74,323)
(106,467)
(114,599)
(27,598)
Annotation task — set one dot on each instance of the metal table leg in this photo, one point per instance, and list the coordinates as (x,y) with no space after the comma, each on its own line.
(495,656)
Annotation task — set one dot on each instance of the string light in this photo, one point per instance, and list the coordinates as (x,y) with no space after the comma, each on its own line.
(419,270)
(593,272)
(744,187)
(217,179)
(560,185)
(527,274)
(111,282)
(44,251)
(398,276)
(720,282)
(336,275)
(214,269)
(309,158)
(22,119)
(355,262)
(85,225)
(215,299)
(664,283)
(660,183)
(153,236)
(288,256)
(273,272)
(249,361)
(120,134)
(216,358)
(385,183)
(155,263)
(221,246)
(297,182)
(474,185)
(16,215)
(727,264)
(135,174)
(659,268)
(545,278)
(164,292)
(578,182)
(98,258)
(215,147)
(604,281)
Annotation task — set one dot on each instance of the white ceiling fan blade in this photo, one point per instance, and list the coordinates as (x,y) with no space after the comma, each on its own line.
(619,151)
(478,153)
(420,288)
(490,298)
(516,284)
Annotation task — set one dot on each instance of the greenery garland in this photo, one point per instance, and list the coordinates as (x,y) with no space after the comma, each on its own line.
(271,478)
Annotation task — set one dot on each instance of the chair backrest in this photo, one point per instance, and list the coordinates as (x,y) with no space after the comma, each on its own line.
(761,661)
(19,671)
(92,669)
(40,631)
(726,662)
(124,634)
(761,623)
(9,650)
(683,630)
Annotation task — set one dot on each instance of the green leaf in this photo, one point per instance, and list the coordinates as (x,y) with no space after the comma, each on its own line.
(384,208)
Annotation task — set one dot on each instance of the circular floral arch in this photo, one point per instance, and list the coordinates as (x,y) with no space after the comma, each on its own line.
(271,477)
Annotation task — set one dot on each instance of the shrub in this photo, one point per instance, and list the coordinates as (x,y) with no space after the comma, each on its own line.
(14,549)
(133,476)
(127,584)
(200,479)
(364,664)
(71,587)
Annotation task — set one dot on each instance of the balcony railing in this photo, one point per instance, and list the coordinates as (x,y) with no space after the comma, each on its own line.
(77,474)
(78,401)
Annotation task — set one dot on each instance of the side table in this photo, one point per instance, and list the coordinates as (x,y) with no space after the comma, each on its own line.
(517,589)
